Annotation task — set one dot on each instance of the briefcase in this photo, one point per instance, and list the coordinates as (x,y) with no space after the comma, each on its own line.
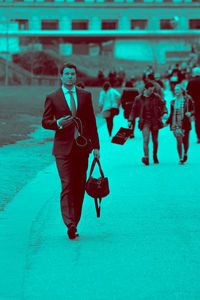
(122,136)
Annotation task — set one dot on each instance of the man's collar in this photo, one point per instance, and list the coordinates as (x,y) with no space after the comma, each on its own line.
(65,90)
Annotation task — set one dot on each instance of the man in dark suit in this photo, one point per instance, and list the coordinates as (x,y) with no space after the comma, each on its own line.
(193,89)
(65,108)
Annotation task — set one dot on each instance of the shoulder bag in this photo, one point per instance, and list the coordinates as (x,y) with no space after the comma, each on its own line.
(97,188)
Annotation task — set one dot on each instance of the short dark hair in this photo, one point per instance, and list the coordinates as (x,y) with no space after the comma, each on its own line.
(67,65)
(151,76)
(149,84)
(106,86)
(129,84)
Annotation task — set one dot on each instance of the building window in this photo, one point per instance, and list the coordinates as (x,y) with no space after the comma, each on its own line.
(108,1)
(50,24)
(109,25)
(168,24)
(138,1)
(80,25)
(22,23)
(139,24)
(197,1)
(194,24)
(167,1)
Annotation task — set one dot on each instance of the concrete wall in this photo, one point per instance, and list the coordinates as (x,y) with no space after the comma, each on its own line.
(147,49)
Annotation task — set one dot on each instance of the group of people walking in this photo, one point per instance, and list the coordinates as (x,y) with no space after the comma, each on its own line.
(149,106)
(69,112)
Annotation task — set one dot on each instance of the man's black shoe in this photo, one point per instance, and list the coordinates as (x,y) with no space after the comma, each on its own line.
(184,159)
(72,232)
(72,237)
(155,159)
(145,161)
(132,136)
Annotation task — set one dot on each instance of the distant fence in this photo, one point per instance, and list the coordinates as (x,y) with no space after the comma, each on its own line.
(18,76)
(45,80)
(177,55)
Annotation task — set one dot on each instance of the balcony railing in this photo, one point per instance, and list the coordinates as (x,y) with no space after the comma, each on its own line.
(130,2)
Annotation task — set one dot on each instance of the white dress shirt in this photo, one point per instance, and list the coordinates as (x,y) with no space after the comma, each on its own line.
(67,95)
(67,98)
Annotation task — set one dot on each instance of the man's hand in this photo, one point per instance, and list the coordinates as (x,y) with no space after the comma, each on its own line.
(65,121)
(188,114)
(96,153)
(165,117)
(129,124)
(100,107)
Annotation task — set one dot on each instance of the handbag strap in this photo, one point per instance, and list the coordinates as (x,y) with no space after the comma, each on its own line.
(98,206)
(78,124)
(95,160)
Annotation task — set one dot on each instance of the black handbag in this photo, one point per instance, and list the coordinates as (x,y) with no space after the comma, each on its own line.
(97,188)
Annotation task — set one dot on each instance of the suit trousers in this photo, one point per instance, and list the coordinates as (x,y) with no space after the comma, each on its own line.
(72,170)
(197,125)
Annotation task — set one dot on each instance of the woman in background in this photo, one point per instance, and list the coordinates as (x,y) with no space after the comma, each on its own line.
(109,104)
(179,120)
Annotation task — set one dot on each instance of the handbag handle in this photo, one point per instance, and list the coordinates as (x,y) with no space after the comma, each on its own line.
(79,126)
(95,160)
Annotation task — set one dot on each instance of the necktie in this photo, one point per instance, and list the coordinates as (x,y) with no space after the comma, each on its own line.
(73,110)
(72,103)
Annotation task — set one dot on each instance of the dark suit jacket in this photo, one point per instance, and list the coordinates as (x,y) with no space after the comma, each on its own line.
(127,99)
(193,89)
(56,107)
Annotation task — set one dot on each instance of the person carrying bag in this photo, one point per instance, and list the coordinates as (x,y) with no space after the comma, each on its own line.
(109,102)
(97,188)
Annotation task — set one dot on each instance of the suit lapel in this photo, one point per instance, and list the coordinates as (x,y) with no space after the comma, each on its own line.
(62,100)
(79,100)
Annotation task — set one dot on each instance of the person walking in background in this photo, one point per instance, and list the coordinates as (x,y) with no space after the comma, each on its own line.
(127,99)
(109,104)
(65,108)
(179,119)
(175,77)
(147,72)
(193,89)
(158,80)
(150,108)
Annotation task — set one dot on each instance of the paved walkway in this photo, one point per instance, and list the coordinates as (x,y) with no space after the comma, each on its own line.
(144,246)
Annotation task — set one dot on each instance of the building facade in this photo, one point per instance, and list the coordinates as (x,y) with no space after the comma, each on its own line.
(130,29)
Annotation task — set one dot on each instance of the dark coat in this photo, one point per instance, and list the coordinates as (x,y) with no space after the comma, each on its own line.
(127,98)
(56,107)
(188,107)
(139,107)
(193,89)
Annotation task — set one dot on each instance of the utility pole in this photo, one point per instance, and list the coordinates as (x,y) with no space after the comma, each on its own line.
(7,52)
(5,23)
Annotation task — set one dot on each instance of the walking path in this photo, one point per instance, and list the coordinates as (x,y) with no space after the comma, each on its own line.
(144,246)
